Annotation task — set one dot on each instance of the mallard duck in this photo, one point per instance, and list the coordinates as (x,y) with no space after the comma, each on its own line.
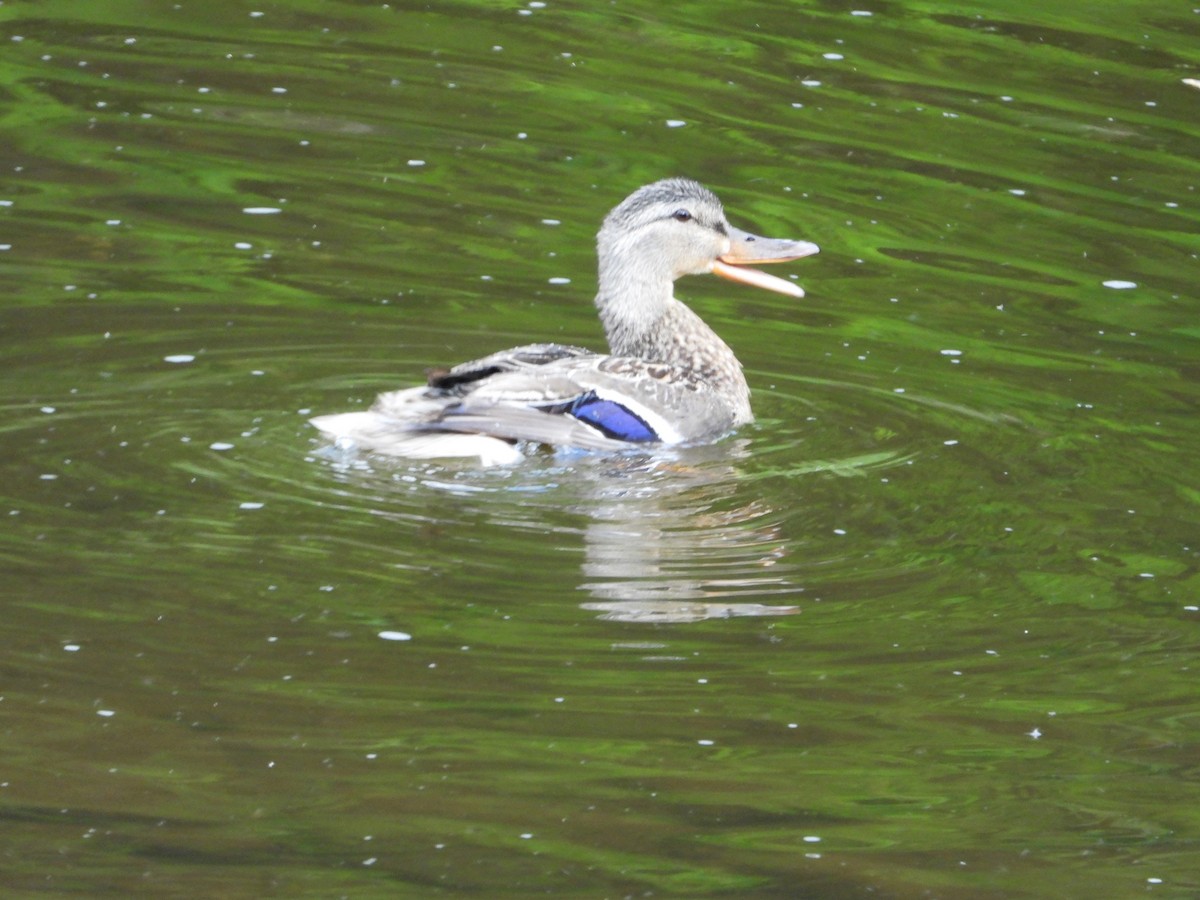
(667,378)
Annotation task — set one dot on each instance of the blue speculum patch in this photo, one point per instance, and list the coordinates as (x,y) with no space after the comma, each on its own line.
(610,417)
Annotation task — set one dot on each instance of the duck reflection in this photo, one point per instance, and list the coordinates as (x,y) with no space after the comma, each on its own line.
(666,537)
(676,541)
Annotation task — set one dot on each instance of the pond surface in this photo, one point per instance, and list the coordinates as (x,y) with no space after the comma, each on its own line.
(929,628)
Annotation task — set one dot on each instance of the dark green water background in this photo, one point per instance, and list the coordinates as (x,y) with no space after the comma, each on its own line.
(929,628)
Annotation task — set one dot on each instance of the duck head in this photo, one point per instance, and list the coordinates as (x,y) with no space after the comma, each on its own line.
(678,227)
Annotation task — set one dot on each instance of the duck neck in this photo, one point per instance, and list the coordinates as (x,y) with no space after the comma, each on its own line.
(632,308)
(642,319)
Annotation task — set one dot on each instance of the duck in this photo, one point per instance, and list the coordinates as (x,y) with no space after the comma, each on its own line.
(667,378)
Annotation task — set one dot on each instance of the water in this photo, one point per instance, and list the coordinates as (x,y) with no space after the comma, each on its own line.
(927,628)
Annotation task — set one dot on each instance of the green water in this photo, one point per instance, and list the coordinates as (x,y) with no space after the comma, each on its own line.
(928,628)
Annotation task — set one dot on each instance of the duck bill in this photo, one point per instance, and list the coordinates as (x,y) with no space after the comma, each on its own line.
(747,249)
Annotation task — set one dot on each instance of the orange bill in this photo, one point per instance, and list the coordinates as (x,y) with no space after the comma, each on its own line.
(747,249)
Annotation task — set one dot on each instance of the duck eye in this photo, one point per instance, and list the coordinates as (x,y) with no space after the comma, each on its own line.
(681,215)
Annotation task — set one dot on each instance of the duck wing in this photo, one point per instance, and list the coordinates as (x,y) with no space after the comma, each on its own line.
(542,393)
(462,377)
(477,408)
(592,401)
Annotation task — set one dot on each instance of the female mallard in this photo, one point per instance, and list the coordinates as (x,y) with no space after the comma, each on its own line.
(668,378)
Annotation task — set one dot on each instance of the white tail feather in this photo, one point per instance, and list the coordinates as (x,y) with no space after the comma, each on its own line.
(381,434)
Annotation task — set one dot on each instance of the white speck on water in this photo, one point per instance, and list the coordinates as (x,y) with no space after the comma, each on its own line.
(833,56)
(278,90)
(811,82)
(395,636)
(839,531)
(950,352)
(1035,734)
(897,390)
(551,221)
(112,221)
(675,123)
(949,443)
(107,713)
(71,648)
(220,445)
(251,504)
(416,163)
(1017,192)
(560,280)
(243,245)
(527,835)
(48,410)
(262,210)
(811,839)
(370,861)
(179,358)
(705,742)
(1118,285)
(861,12)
